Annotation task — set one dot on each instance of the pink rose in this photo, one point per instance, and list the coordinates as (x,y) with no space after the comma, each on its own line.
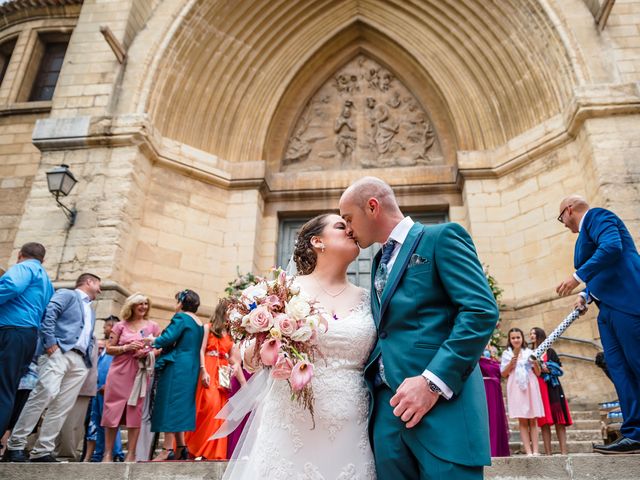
(282,368)
(301,375)
(260,320)
(287,326)
(269,352)
(282,278)
(274,301)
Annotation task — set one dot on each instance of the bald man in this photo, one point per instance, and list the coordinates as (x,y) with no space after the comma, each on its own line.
(607,261)
(434,314)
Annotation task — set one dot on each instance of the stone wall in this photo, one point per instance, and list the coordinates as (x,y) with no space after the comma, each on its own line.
(19,161)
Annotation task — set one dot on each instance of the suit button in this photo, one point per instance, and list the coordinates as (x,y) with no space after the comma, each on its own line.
(77,338)
(383,335)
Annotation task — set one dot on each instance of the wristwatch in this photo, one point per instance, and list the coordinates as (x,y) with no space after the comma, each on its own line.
(433,387)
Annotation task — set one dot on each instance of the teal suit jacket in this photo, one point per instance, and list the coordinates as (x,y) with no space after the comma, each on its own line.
(438,313)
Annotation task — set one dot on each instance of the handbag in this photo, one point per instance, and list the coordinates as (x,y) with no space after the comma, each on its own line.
(224,376)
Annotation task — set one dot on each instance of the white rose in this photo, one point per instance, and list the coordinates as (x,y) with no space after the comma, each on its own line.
(297,308)
(313,321)
(234,315)
(255,291)
(302,334)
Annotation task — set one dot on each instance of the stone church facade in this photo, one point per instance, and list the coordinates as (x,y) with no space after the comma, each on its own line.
(203,133)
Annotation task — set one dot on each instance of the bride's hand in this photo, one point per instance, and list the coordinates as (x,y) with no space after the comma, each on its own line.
(413,400)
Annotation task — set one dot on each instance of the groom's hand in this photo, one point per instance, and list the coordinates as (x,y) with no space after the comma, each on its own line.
(413,400)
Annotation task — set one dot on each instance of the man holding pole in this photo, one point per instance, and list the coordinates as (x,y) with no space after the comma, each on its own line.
(607,261)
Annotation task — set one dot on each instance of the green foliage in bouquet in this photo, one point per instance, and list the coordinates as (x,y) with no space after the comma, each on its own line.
(498,337)
(242,281)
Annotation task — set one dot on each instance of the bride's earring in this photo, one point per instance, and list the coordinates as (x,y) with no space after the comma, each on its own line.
(322,249)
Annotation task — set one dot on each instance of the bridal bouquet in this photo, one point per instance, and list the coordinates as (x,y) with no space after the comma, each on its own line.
(283,326)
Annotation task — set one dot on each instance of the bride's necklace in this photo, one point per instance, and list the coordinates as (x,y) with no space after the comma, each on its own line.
(334,295)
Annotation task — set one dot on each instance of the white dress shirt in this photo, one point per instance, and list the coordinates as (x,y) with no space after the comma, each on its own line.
(399,234)
(85,335)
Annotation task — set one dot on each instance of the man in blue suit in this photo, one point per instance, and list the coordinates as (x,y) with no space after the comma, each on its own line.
(607,261)
(66,341)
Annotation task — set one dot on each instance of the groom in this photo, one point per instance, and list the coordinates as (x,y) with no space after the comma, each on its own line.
(434,313)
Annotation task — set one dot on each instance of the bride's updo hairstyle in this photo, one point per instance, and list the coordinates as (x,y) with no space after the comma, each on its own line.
(304,255)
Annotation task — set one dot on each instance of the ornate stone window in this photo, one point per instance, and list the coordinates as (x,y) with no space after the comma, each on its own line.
(35,34)
(6,49)
(44,67)
(48,72)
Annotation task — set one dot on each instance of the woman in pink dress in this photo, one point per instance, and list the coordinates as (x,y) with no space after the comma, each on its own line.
(127,343)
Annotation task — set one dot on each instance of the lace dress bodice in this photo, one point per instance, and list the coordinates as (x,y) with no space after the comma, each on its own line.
(286,446)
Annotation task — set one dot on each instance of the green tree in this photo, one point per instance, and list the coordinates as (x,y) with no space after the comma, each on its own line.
(497,337)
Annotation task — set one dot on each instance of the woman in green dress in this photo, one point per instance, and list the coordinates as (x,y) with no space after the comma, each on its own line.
(177,372)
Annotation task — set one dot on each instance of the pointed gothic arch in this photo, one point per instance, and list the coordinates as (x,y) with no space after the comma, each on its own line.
(499,68)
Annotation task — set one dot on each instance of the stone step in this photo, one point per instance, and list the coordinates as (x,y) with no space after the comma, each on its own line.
(585,414)
(580,415)
(571,467)
(572,435)
(576,446)
(591,466)
(577,425)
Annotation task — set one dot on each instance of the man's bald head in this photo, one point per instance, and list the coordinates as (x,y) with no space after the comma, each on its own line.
(371,187)
(572,209)
(577,202)
(371,211)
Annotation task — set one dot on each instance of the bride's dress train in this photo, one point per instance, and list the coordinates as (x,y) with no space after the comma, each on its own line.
(281,443)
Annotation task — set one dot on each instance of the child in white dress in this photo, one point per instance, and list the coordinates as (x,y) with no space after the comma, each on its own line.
(523,392)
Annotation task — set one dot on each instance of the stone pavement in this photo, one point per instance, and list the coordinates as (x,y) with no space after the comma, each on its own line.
(571,467)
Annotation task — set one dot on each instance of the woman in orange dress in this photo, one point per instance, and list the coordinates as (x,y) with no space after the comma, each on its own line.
(210,395)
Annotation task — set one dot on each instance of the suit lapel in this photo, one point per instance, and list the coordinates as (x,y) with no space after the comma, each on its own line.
(400,265)
(583,237)
(375,301)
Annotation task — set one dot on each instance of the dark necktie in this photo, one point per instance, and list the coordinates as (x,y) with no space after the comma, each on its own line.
(382,273)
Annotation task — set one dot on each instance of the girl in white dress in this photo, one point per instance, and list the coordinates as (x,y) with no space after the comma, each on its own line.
(524,401)
(280,442)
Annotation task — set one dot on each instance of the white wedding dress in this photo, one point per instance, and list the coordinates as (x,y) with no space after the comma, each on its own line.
(280,443)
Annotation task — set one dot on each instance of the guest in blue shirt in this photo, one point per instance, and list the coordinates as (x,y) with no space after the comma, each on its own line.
(25,291)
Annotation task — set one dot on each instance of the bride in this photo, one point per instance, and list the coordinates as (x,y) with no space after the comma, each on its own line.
(280,442)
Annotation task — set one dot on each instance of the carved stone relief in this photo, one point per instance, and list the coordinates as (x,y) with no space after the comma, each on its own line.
(362,117)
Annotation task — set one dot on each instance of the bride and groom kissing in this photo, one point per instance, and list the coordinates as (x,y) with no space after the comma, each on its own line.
(398,394)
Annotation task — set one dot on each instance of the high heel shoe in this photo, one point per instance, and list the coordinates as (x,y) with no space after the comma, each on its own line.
(184,452)
(170,455)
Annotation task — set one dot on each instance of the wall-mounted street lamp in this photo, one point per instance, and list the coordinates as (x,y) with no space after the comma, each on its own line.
(60,181)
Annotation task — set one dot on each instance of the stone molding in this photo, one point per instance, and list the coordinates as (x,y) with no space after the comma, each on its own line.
(19,5)
(597,101)
(23,10)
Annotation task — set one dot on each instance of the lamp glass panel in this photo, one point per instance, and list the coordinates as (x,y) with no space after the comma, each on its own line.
(54,180)
(67,184)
